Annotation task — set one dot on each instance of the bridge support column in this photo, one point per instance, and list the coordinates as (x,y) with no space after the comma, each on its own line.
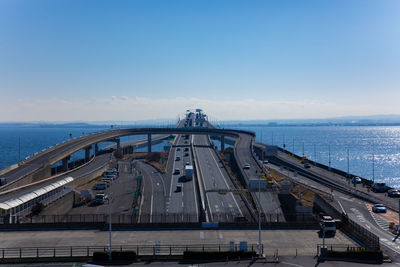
(222,143)
(148,143)
(65,164)
(87,153)
(118,143)
(96,149)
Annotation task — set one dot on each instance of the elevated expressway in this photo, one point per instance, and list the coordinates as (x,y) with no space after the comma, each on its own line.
(244,154)
(220,207)
(39,165)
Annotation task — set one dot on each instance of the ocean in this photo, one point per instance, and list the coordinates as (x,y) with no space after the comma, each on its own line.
(365,151)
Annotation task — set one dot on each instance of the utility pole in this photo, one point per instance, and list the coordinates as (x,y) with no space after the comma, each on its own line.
(109,224)
(293,147)
(373,170)
(329,149)
(259,218)
(303,147)
(272,138)
(315,155)
(19,148)
(348,165)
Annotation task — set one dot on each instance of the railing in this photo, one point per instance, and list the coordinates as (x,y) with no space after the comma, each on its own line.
(141,250)
(123,219)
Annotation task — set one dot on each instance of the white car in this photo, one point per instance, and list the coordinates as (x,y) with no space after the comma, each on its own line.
(379,208)
(246,166)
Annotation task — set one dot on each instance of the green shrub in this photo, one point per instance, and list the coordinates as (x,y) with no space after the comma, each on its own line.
(215,255)
(101,256)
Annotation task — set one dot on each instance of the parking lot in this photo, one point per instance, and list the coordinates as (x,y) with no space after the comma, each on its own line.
(122,192)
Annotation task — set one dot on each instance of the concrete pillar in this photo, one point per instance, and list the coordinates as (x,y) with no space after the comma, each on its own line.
(96,149)
(148,143)
(222,143)
(118,143)
(87,153)
(65,164)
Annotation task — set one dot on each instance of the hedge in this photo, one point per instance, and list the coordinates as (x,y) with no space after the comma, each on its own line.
(215,255)
(369,255)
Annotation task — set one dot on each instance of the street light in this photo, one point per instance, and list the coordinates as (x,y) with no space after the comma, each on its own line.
(110,229)
(259,217)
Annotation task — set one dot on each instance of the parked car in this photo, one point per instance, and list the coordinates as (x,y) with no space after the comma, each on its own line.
(379,208)
(307,165)
(246,166)
(99,198)
(177,171)
(177,158)
(178,149)
(186,149)
(100,186)
(356,180)
(393,193)
(265,162)
(186,154)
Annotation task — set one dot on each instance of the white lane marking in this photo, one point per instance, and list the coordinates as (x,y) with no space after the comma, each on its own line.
(203,182)
(201,235)
(292,264)
(193,184)
(221,236)
(173,168)
(359,215)
(158,184)
(227,186)
(151,208)
(340,204)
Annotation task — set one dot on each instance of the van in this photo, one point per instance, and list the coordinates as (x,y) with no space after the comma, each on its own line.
(379,187)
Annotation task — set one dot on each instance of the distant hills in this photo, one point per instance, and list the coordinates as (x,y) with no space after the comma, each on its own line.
(373,120)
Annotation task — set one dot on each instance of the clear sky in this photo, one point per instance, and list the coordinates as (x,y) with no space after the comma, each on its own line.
(129,60)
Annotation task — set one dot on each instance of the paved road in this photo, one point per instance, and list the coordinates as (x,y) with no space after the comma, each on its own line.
(285,240)
(121,192)
(221,207)
(269,200)
(181,205)
(357,210)
(153,208)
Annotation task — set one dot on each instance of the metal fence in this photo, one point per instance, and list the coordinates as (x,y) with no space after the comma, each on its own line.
(124,219)
(141,250)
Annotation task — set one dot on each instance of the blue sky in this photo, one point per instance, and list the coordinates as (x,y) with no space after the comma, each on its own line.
(131,60)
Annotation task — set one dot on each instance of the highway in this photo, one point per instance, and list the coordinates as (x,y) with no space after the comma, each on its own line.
(46,158)
(181,205)
(153,207)
(269,200)
(221,208)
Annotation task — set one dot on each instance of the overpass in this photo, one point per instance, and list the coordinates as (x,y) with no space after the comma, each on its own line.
(39,165)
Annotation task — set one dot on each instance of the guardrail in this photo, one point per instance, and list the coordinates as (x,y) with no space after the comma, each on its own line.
(140,250)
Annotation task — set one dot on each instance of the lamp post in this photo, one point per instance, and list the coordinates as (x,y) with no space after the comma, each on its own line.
(109,224)
(329,156)
(259,218)
(373,168)
(348,165)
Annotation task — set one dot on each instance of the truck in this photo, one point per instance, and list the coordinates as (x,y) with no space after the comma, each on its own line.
(327,225)
(188,172)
